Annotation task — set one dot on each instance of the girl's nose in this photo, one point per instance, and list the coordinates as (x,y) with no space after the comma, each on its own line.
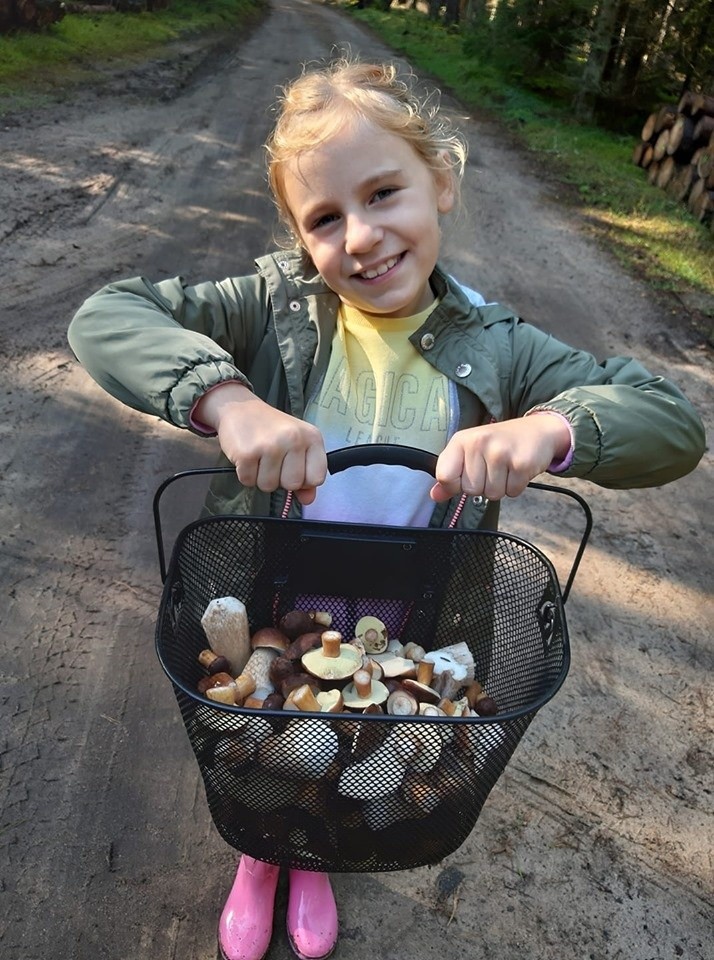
(360,235)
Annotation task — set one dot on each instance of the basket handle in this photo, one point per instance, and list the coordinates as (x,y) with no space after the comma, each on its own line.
(366,455)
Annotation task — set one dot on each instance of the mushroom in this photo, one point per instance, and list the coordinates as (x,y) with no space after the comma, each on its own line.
(237,746)
(401,703)
(413,651)
(373,634)
(214,680)
(306,748)
(295,622)
(245,686)
(330,701)
(480,701)
(418,744)
(378,775)
(302,698)
(425,671)
(212,662)
(448,683)
(363,691)
(225,623)
(432,710)
(335,660)
(393,666)
(447,657)
(303,643)
(422,692)
(297,680)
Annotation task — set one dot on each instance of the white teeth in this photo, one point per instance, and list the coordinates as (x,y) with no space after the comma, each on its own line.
(371,274)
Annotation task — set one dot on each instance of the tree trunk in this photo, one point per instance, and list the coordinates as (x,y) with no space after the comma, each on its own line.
(591,77)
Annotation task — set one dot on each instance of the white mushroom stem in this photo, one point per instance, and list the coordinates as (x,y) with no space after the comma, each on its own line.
(258,667)
(225,623)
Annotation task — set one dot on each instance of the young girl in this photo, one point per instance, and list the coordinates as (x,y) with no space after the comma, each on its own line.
(356,335)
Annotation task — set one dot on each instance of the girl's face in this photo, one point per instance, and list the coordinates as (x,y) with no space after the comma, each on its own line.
(367,210)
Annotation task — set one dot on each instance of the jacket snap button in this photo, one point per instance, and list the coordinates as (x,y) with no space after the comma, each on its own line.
(427,341)
(294,305)
(463,370)
(283,264)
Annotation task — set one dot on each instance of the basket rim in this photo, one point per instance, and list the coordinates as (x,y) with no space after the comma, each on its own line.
(505,716)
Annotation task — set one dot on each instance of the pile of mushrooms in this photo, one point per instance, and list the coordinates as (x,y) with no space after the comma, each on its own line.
(389,773)
(304,664)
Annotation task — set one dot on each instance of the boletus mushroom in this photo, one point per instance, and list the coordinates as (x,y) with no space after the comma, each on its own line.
(335,660)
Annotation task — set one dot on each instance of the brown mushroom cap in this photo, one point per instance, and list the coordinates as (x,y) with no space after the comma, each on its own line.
(421,691)
(269,637)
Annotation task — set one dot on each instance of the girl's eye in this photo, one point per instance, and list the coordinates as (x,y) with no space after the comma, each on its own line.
(383,193)
(324,220)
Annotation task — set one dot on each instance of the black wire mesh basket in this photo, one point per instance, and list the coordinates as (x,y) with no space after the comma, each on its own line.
(358,792)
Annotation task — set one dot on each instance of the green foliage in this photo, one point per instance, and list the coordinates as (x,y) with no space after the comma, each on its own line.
(67,50)
(651,232)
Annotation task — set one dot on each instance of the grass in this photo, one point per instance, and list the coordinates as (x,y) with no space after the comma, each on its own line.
(68,51)
(650,232)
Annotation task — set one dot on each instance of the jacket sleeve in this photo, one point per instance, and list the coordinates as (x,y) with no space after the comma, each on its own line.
(631,428)
(159,347)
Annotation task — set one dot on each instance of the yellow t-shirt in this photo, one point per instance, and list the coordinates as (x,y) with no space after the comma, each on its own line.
(379,389)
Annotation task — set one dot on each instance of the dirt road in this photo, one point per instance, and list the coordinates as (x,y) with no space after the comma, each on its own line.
(596,843)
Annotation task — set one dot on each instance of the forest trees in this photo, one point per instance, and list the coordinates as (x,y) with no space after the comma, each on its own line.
(612,59)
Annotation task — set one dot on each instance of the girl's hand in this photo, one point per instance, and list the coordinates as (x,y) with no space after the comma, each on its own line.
(500,459)
(270,449)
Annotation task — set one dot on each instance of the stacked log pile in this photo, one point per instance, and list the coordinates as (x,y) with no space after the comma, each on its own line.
(676,148)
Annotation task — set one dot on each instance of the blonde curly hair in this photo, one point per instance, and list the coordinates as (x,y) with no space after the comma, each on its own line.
(323,99)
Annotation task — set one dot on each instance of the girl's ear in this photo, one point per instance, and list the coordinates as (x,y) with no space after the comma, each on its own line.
(445,186)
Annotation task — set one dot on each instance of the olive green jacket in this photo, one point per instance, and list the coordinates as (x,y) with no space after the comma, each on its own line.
(159,347)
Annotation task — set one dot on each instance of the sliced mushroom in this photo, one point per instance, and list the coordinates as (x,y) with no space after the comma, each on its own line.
(373,634)
(401,703)
(393,666)
(330,701)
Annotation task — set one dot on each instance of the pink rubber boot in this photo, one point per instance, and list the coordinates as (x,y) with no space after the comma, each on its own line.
(246,924)
(312,915)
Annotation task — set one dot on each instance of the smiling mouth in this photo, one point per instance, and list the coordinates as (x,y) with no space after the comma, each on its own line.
(381,269)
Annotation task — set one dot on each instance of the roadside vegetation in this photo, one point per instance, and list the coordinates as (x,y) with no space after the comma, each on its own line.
(72,49)
(650,232)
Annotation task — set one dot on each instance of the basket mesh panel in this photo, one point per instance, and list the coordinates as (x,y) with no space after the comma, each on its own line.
(349,792)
